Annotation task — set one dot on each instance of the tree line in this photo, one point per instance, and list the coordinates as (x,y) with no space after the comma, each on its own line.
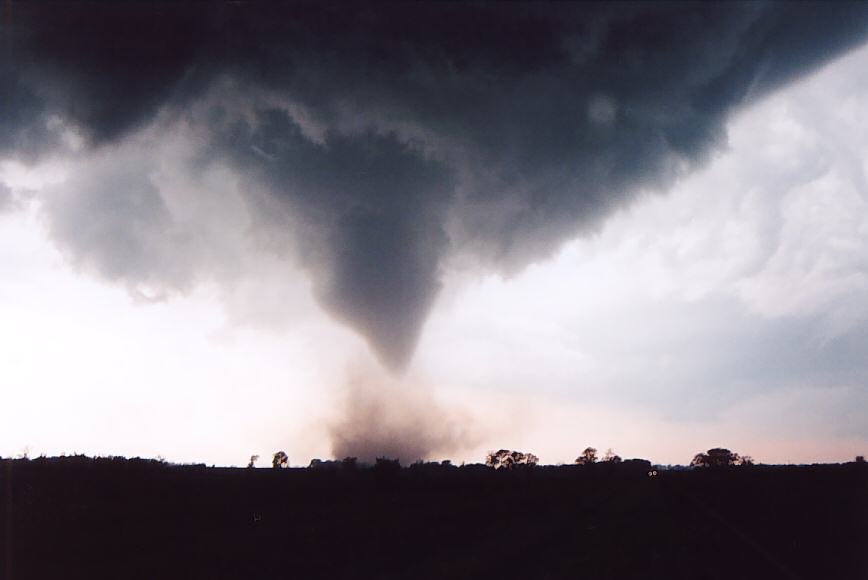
(509,459)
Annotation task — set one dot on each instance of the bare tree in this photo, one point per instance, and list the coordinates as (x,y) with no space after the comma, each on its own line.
(611,456)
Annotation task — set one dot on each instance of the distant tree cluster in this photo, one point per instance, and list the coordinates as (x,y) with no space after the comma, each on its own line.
(720,457)
(280,460)
(507,459)
(589,456)
(611,457)
(346,464)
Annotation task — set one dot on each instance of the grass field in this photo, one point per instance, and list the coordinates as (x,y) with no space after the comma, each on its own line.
(112,518)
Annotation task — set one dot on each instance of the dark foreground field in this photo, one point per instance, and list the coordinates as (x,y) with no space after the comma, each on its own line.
(83,518)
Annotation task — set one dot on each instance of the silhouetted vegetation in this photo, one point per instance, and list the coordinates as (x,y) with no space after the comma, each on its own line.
(280,460)
(81,517)
(588,456)
(506,459)
(719,457)
(611,456)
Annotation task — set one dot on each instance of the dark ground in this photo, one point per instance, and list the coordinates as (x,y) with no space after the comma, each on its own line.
(84,518)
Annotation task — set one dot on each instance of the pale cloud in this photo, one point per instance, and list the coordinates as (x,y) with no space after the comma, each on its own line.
(6,199)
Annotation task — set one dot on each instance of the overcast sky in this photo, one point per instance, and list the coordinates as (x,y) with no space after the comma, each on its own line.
(639,227)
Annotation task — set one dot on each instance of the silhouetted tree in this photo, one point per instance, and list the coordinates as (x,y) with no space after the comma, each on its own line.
(611,456)
(499,459)
(253,459)
(349,462)
(588,456)
(280,460)
(719,457)
(507,459)
(860,459)
(324,464)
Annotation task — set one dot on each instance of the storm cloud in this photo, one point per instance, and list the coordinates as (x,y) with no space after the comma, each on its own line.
(376,144)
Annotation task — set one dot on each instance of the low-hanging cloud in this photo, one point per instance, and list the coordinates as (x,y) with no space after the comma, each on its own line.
(376,144)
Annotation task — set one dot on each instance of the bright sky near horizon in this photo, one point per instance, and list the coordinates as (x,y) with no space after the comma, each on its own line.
(728,311)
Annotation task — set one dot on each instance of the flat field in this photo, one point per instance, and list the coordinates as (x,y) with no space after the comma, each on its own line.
(78,517)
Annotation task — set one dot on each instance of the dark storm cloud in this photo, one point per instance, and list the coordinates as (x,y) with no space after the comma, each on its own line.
(387,139)
(106,68)
(372,210)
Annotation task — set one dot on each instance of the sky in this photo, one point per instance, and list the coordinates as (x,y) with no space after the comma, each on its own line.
(403,232)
